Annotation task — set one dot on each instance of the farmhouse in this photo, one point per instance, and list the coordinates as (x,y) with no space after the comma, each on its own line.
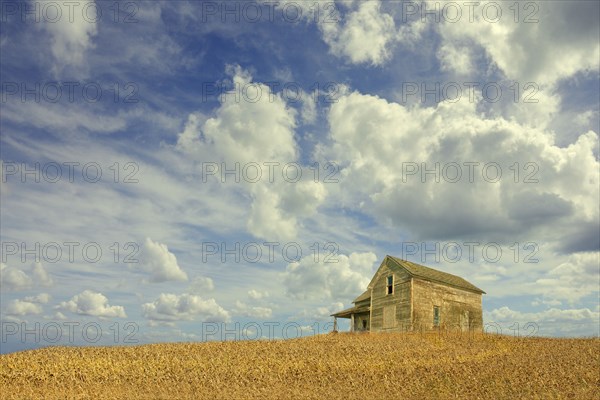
(404,296)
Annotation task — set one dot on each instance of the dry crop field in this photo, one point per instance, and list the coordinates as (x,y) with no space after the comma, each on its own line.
(332,366)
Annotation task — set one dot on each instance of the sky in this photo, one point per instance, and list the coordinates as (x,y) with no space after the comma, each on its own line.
(199,170)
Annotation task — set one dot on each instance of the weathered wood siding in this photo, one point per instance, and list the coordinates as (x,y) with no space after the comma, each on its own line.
(361,322)
(459,309)
(363,303)
(390,312)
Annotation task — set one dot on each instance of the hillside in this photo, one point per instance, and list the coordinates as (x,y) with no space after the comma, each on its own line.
(342,366)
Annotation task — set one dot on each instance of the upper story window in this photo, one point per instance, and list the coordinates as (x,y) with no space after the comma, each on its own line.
(390,284)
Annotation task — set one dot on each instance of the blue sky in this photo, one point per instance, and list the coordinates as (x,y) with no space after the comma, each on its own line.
(160,97)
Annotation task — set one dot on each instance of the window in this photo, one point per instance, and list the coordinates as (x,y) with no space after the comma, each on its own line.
(390,284)
(436,316)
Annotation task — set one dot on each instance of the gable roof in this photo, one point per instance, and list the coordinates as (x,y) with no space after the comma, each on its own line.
(430,274)
(366,295)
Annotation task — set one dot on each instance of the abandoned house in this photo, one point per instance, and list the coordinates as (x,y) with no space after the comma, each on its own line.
(404,296)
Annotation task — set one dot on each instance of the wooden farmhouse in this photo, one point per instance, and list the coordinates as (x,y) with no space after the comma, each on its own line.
(404,296)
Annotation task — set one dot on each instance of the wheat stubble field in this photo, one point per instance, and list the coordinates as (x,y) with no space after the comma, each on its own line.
(342,366)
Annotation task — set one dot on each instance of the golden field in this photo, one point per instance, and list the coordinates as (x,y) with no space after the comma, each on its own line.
(332,366)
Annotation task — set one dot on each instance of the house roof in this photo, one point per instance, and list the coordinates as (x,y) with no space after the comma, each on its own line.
(430,274)
(366,295)
(349,311)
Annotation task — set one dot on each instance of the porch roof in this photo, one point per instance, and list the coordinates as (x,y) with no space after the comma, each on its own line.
(347,313)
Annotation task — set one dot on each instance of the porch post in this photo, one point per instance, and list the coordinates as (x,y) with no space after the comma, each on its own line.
(351,322)
(335,324)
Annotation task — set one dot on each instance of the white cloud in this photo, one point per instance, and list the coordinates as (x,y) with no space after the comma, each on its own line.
(42,298)
(562,42)
(257,295)
(584,118)
(23,307)
(70,38)
(551,321)
(324,312)
(246,132)
(572,280)
(40,276)
(170,307)
(341,280)
(359,31)
(65,118)
(59,316)
(201,284)
(254,312)
(309,107)
(92,303)
(454,58)
(160,263)
(252,125)
(365,37)
(15,279)
(374,140)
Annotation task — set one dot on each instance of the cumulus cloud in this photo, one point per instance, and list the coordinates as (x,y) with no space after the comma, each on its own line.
(572,280)
(244,132)
(365,37)
(30,305)
(15,279)
(244,129)
(319,280)
(171,307)
(324,312)
(561,42)
(254,312)
(455,58)
(160,263)
(42,298)
(361,32)
(59,316)
(376,141)
(41,276)
(92,303)
(23,307)
(201,284)
(551,321)
(257,295)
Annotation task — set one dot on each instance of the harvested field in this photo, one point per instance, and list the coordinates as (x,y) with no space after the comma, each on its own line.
(333,366)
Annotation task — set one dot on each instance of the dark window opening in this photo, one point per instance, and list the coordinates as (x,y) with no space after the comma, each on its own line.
(436,316)
(364,324)
(390,284)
